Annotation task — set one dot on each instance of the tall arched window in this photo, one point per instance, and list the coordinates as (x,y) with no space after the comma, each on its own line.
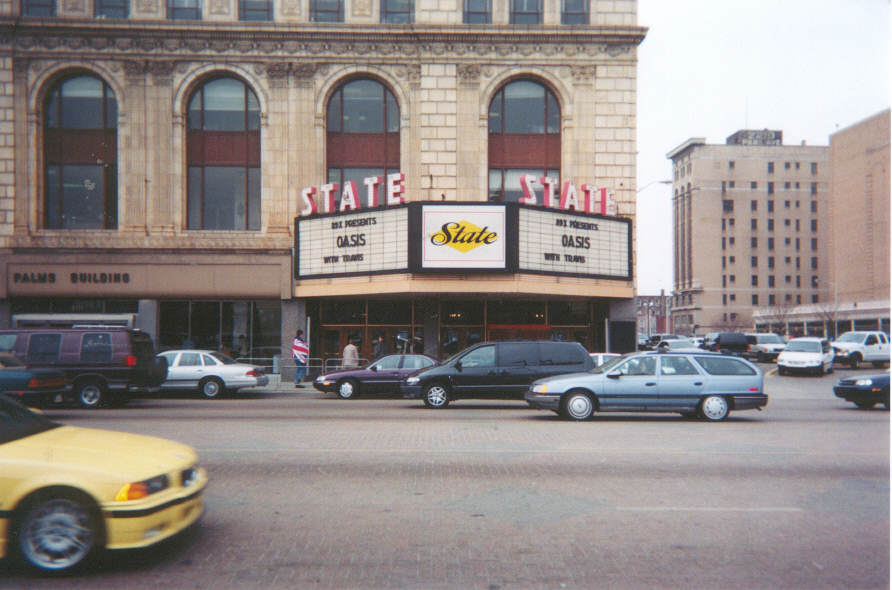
(524,137)
(224,157)
(363,136)
(80,155)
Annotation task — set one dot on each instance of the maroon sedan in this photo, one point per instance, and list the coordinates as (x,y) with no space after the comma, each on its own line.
(382,376)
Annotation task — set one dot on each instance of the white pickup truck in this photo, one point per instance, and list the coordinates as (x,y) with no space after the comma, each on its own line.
(857,347)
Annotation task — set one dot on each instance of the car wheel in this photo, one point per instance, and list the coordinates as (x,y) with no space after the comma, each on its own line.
(90,394)
(210,388)
(436,396)
(855,361)
(714,408)
(578,405)
(865,405)
(57,533)
(348,388)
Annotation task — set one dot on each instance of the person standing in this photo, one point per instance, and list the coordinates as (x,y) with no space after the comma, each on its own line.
(350,355)
(378,349)
(300,352)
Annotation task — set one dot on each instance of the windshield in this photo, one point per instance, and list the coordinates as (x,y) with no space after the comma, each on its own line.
(17,421)
(770,339)
(803,346)
(851,337)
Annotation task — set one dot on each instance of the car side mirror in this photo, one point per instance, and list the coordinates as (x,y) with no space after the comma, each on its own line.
(458,365)
(373,368)
(614,374)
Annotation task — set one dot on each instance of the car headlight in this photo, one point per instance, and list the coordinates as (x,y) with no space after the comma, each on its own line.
(864,382)
(321,378)
(413,380)
(141,489)
(540,388)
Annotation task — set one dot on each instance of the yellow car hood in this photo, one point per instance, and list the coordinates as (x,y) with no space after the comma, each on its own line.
(86,450)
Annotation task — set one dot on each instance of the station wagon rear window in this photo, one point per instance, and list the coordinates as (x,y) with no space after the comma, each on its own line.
(724,366)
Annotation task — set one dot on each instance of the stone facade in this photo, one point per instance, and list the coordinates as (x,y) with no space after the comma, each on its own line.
(443,75)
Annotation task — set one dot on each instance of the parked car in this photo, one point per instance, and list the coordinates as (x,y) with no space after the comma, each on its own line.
(764,347)
(709,340)
(603,357)
(26,384)
(690,383)
(733,343)
(67,492)
(381,376)
(102,364)
(679,345)
(864,392)
(495,370)
(642,341)
(209,372)
(857,347)
(655,339)
(806,355)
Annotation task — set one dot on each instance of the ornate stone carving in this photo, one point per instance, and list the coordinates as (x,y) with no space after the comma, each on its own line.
(133,68)
(304,70)
(290,7)
(582,74)
(362,8)
(469,73)
(220,7)
(147,6)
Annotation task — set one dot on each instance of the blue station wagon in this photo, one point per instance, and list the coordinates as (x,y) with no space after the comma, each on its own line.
(703,384)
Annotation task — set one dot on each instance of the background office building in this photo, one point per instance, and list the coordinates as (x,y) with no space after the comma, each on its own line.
(749,221)
(855,292)
(153,159)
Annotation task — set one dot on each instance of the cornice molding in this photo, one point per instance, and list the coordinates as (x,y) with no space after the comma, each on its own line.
(174,40)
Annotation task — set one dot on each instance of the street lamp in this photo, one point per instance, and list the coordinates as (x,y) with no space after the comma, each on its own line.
(652,182)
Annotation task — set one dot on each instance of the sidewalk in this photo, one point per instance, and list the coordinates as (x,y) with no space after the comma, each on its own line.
(276,385)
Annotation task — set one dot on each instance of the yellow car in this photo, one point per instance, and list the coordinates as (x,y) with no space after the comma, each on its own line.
(66,493)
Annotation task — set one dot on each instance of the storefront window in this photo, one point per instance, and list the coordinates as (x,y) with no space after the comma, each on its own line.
(224,157)
(80,133)
(461,312)
(250,330)
(568,313)
(515,312)
(390,312)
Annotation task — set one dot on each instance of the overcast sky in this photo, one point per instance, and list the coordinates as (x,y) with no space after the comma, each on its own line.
(710,67)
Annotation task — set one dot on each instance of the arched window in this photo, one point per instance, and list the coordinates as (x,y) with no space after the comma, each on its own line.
(80,155)
(224,157)
(363,136)
(524,137)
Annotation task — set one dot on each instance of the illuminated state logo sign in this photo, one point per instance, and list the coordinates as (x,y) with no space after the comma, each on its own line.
(463,237)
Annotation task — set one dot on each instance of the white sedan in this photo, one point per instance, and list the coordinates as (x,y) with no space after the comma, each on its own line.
(210,372)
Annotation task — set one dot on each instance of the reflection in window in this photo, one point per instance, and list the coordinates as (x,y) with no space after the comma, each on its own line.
(525,12)
(326,11)
(224,157)
(362,136)
(80,137)
(255,10)
(38,8)
(111,8)
(184,9)
(524,137)
(398,12)
(574,12)
(477,12)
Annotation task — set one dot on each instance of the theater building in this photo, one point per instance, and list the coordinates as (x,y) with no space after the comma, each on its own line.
(437,173)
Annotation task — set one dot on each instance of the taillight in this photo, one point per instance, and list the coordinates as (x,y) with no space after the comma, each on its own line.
(45,383)
(254,373)
(130,360)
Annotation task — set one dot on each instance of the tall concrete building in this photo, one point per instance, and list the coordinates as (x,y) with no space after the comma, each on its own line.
(858,236)
(242,168)
(855,292)
(748,218)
